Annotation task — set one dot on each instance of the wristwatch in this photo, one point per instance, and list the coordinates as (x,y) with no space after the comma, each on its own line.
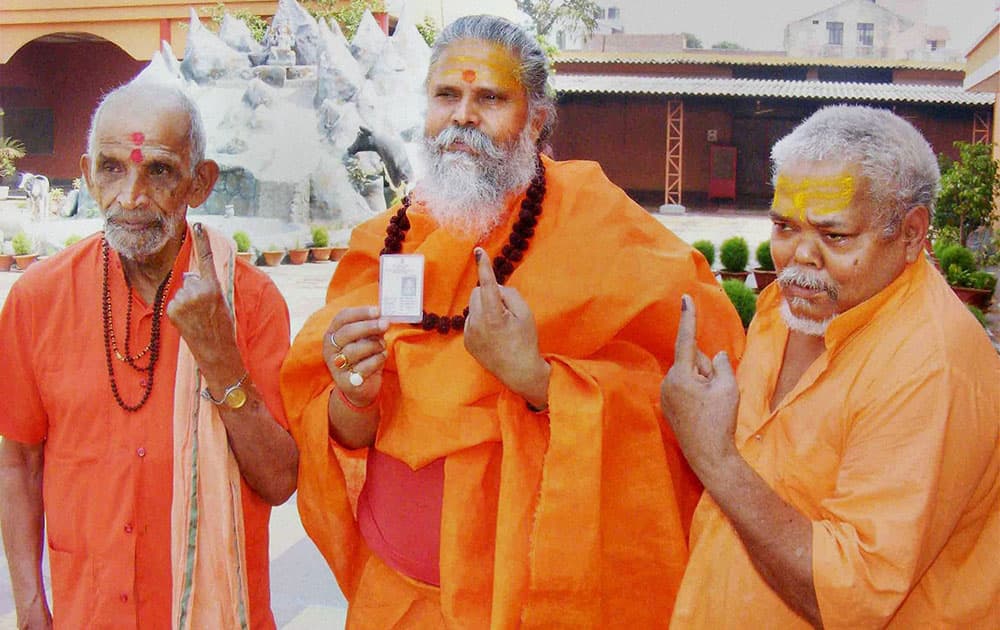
(234,397)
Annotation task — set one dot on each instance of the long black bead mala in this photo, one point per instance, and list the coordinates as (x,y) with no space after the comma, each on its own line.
(503,263)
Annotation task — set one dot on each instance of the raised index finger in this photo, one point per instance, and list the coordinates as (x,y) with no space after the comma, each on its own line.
(203,252)
(489,290)
(685,349)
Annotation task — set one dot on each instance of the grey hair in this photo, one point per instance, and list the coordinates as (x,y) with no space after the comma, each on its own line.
(534,65)
(196,128)
(895,161)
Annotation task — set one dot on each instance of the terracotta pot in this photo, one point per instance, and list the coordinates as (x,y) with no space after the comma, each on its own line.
(247,256)
(6,262)
(764,277)
(336,253)
(273,258)
(734,275)
(25,260)
(320,254)
(980,298)
(297,256)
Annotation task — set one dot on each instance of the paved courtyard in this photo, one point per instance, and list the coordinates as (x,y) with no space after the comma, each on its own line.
(304,593)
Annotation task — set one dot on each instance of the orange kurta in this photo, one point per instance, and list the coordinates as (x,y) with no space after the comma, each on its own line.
(575,517)
(889,444)
(108,473)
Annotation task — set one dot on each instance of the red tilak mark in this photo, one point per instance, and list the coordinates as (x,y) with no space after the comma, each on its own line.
(136,156)
(468,76)
(138,137)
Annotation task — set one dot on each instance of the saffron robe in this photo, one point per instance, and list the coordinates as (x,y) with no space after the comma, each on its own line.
(889,445)
(572,518)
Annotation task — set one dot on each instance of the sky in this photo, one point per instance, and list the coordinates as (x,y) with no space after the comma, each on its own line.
(760,24)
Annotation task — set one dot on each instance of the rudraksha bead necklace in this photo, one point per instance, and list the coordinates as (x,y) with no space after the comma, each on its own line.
(503,263)
(110,348)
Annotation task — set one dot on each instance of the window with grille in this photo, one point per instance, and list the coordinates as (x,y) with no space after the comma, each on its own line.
(866,34)
(835,33)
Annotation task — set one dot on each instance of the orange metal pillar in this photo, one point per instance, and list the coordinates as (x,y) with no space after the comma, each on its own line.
(675,152)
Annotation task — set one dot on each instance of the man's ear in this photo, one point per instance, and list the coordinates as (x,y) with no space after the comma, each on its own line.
(205,176)
(913,230)
(85,169)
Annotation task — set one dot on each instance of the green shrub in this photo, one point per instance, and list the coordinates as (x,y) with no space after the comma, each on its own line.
(983,280)
(764,260)
(734,254)
(978,314)
(958,256)
(320,237)
(242,241)
(966,196)
(707,249)
(71,239)
(21,244)
(743,298)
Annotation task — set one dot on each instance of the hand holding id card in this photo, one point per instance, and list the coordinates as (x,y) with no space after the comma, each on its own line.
(401,287)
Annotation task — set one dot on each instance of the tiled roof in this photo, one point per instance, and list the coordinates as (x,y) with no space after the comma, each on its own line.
(566,83)
(738,58)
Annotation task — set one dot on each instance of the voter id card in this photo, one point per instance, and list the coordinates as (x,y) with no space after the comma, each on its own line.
(401,287)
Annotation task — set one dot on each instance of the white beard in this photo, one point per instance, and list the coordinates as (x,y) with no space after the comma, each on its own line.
(141,245)
(811,327)
(468,194)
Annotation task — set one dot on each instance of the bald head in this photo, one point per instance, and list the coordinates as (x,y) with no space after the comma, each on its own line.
(140,99)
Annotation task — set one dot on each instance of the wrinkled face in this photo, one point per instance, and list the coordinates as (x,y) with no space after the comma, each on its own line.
(829,255)
(140,175)
(476,84)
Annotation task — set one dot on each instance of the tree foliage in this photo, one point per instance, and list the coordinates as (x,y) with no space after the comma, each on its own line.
(968,187)
(727,45)
(578,16)
(692,41)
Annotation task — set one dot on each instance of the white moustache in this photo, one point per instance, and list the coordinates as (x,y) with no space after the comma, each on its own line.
(806,279)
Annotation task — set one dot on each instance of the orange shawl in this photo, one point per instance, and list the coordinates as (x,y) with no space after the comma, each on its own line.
(577,517)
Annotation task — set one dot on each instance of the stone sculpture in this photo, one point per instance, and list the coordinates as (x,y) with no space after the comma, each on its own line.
(304,124)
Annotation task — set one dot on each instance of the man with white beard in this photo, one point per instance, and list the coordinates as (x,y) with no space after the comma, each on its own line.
(501,463)
(147,455)
(851,469)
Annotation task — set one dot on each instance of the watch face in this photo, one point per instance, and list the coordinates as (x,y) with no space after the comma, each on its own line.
(236,398)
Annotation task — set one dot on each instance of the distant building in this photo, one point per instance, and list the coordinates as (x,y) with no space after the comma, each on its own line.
(870,29)
(624,25)
(696,127)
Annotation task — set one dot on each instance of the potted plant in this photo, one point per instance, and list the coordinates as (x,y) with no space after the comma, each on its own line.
(6,255)
(273,255)
(320,249)
(242,240)
(24,253)
(707,249)
(11,151)
(743,299)
(734,253)
(298,255)
(972,286)
(763,273)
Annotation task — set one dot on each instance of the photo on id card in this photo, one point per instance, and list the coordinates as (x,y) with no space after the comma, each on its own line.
(401,287)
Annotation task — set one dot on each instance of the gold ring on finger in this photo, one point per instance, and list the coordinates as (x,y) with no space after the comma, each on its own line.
(341,362)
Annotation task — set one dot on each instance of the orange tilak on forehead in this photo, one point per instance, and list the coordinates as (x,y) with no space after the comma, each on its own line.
(476,61)
(793,197)
(137,139)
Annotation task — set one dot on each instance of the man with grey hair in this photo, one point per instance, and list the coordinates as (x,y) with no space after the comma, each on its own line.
(851,468)
(501,463)
(142,421)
